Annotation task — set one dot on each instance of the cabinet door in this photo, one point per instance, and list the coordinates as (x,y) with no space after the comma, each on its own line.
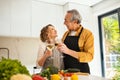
(20,17)
(4,17)
(45,13)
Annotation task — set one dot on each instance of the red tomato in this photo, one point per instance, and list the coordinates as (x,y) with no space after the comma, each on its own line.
(61,72)
(68,74)
(37,77)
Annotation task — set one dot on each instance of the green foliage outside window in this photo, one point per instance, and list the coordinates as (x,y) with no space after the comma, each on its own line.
(112,38)
(117,69)
(112,33)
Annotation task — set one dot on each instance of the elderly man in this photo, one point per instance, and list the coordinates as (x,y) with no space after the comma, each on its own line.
(78,43)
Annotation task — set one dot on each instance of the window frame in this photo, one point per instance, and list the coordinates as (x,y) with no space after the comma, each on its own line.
(101,36)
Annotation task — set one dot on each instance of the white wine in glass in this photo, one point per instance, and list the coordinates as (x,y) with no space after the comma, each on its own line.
(50,44)
(50,47)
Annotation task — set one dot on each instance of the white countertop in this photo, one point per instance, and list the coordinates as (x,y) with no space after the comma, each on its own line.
(91,77)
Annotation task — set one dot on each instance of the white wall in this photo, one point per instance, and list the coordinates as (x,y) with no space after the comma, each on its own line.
(105,6)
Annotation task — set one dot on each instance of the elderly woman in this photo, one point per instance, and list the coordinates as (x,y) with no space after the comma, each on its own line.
(48,53)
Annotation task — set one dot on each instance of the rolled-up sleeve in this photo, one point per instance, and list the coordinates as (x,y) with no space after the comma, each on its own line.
(86,44)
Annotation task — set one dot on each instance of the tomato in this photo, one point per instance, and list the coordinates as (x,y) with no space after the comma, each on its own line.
(68,74)
(61,72)
(37,77)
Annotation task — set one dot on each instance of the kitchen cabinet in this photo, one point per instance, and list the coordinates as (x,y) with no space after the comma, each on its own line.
(46,13)
(5,17)
(25,18)
(20,17)
(15,17)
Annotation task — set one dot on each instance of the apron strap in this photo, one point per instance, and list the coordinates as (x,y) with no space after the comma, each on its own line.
(79,36)
(80,32)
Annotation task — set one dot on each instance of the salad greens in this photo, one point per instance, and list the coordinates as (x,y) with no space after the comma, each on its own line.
(9,67)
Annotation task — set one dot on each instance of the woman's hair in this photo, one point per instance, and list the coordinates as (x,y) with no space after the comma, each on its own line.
(44,33)
(75,15)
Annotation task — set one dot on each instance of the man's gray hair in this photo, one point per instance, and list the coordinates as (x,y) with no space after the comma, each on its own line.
(75,15)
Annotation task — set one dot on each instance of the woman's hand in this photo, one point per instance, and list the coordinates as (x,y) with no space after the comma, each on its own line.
(48,53)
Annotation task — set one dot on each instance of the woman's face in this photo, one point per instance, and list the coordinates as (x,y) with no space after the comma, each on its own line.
(52,33)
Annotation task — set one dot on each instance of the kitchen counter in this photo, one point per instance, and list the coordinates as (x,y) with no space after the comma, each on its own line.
(91,77)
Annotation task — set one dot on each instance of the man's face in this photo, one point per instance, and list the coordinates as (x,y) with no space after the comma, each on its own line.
(68,22)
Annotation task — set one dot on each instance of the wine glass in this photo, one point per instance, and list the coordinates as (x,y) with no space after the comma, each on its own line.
(58,41)
(61,56)
(50,45)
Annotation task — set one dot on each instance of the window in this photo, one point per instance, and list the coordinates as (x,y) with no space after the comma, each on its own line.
(109,32)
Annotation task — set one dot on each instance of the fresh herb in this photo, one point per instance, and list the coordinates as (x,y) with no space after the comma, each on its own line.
(49,71)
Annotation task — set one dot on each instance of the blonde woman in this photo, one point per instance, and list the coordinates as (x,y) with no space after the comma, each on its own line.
(47,56)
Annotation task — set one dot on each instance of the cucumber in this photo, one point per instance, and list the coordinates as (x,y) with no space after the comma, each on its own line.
(73,70)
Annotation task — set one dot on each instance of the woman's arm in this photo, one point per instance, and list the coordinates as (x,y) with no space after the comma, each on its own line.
(42,60)
(42,55)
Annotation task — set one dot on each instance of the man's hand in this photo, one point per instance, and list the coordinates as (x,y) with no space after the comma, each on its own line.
(63,48)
